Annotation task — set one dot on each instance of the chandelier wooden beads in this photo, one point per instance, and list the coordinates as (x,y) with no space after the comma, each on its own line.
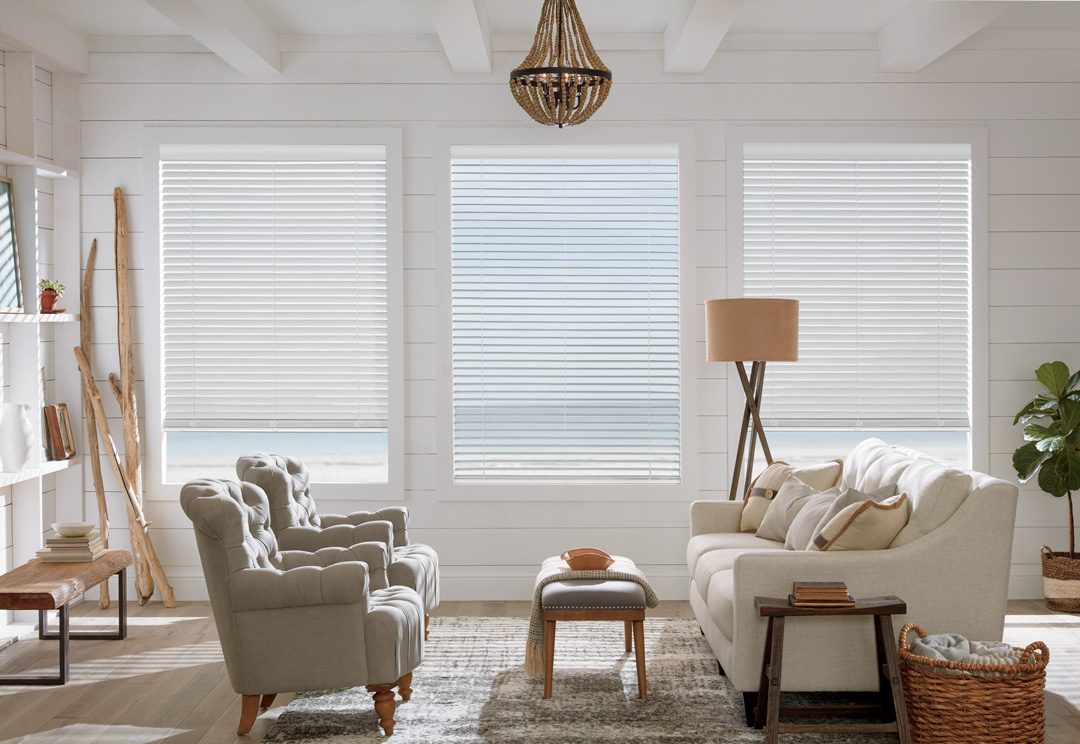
(562,81)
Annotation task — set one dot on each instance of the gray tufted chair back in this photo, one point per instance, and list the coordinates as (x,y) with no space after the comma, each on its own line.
(288,480)
(285,480)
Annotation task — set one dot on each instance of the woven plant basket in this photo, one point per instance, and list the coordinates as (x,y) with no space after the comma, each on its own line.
(953,703)
(1061,581)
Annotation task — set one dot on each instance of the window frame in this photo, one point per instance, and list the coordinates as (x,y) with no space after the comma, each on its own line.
(338,139)
(689,305)
(976,140)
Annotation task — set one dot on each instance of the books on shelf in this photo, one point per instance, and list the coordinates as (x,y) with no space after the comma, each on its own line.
(821,594)
(59,438)
(59,549)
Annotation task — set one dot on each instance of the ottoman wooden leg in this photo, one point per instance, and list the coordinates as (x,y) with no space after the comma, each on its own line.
(639,655)
(627,634)
(549,656)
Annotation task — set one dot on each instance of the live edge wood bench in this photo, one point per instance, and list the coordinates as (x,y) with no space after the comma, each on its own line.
(890,704)
(52,586)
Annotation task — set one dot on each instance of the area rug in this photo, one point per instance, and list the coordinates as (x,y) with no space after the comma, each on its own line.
(472,687)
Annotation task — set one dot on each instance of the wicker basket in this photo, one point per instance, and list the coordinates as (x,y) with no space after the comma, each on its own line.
(1061,581)
(983,704)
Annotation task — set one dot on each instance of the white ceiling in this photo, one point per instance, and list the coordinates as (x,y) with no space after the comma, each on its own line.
(136,17)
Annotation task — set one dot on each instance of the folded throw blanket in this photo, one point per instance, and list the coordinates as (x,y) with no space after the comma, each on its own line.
(555,569)
(955,647)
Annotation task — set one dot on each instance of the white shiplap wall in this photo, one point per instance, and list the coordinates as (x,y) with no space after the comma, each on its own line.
(1022,87)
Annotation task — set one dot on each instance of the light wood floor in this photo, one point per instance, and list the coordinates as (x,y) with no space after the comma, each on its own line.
(167,683)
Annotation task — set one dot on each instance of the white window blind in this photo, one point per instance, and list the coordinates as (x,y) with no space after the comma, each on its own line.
(566,319)
(274,294)
(879,253)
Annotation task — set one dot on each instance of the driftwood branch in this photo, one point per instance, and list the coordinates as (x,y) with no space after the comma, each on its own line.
(86,338)
(139,527)
(129,413)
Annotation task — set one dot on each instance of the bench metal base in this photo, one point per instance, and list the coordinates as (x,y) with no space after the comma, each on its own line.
(64,635)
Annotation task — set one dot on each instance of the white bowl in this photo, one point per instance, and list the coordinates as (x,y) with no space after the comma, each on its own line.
(73,529)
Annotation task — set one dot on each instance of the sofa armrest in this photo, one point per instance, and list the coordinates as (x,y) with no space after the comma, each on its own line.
(305,586)
(715,516)
(374,555)
(311,539)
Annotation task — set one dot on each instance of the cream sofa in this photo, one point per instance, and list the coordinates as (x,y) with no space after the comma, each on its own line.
(950,564)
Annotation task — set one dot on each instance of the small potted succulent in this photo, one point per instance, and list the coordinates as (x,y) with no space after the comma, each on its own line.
(1052,431)
(51,291)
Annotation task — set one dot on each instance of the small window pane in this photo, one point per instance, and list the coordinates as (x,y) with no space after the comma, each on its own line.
(342,457)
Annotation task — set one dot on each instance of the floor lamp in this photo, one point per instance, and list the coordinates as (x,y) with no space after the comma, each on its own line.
(756,330)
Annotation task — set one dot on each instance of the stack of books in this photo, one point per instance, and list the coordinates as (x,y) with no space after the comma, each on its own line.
(820,594)
(60,549)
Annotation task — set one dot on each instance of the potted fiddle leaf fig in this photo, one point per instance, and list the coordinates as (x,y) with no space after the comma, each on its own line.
(1052,452)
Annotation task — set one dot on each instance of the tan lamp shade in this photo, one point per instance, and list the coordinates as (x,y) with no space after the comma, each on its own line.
(752,329)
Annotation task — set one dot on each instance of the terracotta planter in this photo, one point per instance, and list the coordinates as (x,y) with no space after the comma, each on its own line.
(48,300)
(1061,581)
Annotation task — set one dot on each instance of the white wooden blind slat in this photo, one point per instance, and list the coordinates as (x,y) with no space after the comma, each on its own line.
(274,291)
(565,288)
(879,253)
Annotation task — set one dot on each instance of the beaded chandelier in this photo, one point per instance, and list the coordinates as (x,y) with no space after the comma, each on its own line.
(562,81)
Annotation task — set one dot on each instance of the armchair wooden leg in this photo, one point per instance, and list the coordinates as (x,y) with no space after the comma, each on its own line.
(384,706)
(249,711)
(427,620)
(267,701)
(404,686)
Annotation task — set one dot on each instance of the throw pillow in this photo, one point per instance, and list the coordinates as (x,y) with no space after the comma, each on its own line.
(785,506)
(806,521)
(847,497)
(866,526)
(768,482)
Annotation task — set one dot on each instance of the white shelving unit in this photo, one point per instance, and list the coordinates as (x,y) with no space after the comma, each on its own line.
(41,152)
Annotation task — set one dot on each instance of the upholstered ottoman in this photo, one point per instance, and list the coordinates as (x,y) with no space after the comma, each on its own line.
(595,599)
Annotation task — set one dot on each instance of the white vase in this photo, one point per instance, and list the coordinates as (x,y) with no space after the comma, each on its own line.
(16,436)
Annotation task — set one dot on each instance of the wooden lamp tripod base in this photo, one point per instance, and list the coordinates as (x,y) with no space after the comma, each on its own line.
(752,386)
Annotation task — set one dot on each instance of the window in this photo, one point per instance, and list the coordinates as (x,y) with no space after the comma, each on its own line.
(566,338)
(877,246)
(274,310)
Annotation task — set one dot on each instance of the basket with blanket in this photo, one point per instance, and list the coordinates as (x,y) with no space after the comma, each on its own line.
(959,691)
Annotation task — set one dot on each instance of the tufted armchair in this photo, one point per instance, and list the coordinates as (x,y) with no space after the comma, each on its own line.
(297,523)
(290,621)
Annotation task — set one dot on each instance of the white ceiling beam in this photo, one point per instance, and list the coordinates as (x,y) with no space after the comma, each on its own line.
(926,29)
(231,29)
(694,31)
(30,29)
(462,26)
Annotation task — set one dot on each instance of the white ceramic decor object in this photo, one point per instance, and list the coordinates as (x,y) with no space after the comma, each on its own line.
(73,529)
(17,437)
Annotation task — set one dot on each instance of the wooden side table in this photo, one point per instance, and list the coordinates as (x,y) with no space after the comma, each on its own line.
(52,586)
(890,692)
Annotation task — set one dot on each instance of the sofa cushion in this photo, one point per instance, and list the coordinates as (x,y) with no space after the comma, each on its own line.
(809,517)
(785,506)
(935,491)
(873,464)
(699,545)
(721,601)
(768,482)
(869,525)
(722,560)
(848,497)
